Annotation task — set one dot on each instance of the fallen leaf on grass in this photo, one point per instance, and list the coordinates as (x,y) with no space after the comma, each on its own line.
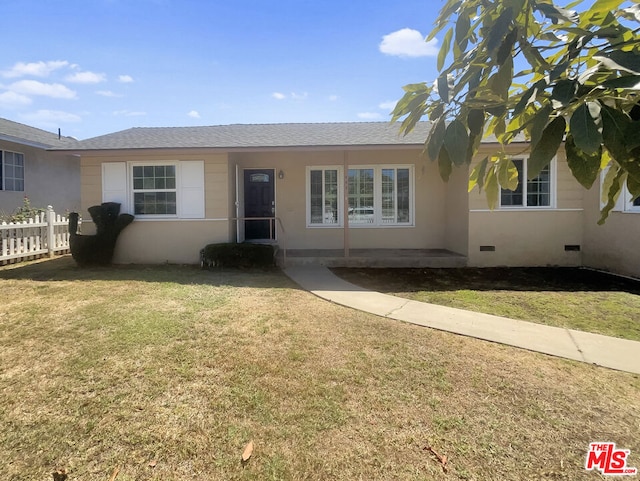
(153,464)
(248,451)
(115,474)
(442,458)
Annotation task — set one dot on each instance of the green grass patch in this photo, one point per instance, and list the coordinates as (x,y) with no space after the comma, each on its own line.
(564,297)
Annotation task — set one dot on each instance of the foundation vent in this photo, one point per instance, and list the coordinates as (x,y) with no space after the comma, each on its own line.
(487,248)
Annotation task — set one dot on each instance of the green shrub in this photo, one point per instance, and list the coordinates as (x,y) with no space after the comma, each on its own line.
(237,255)
(22,213)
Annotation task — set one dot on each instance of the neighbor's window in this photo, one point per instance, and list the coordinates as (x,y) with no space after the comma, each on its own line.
(154,189)
(323,196)
(11,171)
(529,193)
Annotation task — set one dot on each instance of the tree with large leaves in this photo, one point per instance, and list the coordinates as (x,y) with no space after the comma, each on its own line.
(530,68)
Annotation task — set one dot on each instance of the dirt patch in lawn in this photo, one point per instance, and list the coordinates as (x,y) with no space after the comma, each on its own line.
(565,297)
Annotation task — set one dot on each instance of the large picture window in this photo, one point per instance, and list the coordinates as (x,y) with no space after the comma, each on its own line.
(361,196)
(536,192)
(376,196)
(11,171)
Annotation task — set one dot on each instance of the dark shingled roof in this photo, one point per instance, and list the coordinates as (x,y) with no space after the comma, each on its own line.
(25,135)
(241,136)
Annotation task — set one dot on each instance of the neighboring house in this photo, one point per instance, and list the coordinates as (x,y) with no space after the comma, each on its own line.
(29,169)
(336,189)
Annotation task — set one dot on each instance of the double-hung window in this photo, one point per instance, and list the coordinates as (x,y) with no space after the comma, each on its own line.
(154,189)
(376,195)
(396,195)
(324,197)
(536,192)
(11,171)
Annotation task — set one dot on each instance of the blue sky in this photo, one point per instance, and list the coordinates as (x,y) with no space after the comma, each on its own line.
(93,67)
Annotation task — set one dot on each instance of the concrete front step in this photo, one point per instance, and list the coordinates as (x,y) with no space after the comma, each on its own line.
(427,258)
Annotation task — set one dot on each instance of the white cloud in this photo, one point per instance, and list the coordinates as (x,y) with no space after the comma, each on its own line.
(333,98)
(125,79)
(34,87)
(108,93)
(389,105)
(408,43)
(13,99)
(194,114)
(86,78)
(292,95)
(34,69)
(370,115)
(129,113)
(52,117)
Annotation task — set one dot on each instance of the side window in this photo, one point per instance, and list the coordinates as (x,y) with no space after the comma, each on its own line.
(536,192)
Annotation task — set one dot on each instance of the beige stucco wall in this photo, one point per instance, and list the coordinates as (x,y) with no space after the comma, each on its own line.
(457,212)
(614,245)
(166,240)
(50,178)
(430,226)
(529,237)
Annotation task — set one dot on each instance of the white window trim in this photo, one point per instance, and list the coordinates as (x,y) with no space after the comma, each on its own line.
(340,174)
(131,191)
(4,176)
(553,172)
(628,202)
(623,204)
(377,196)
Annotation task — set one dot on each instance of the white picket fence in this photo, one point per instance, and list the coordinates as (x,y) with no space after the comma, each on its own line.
(46,234)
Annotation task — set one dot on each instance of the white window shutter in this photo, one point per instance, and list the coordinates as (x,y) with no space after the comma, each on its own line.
(114,184)
(191,203)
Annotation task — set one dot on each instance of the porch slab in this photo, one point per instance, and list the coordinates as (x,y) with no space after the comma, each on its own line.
(427,258)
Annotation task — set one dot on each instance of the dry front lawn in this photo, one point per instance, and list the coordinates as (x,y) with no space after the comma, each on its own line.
(166,373)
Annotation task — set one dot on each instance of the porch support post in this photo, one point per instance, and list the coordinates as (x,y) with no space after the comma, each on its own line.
(345,202)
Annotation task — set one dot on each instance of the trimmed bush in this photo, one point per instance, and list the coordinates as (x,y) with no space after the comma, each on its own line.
(237,255)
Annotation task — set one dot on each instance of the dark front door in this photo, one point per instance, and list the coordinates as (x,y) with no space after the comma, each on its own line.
(259,201)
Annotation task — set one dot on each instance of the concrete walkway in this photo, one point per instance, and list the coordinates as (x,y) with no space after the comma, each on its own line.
(595,349)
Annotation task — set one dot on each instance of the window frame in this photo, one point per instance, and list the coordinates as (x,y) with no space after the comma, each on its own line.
(3,173)
(131,191)
(624,202)
(340,175)
(553,175)
(377,195)
(629,203)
